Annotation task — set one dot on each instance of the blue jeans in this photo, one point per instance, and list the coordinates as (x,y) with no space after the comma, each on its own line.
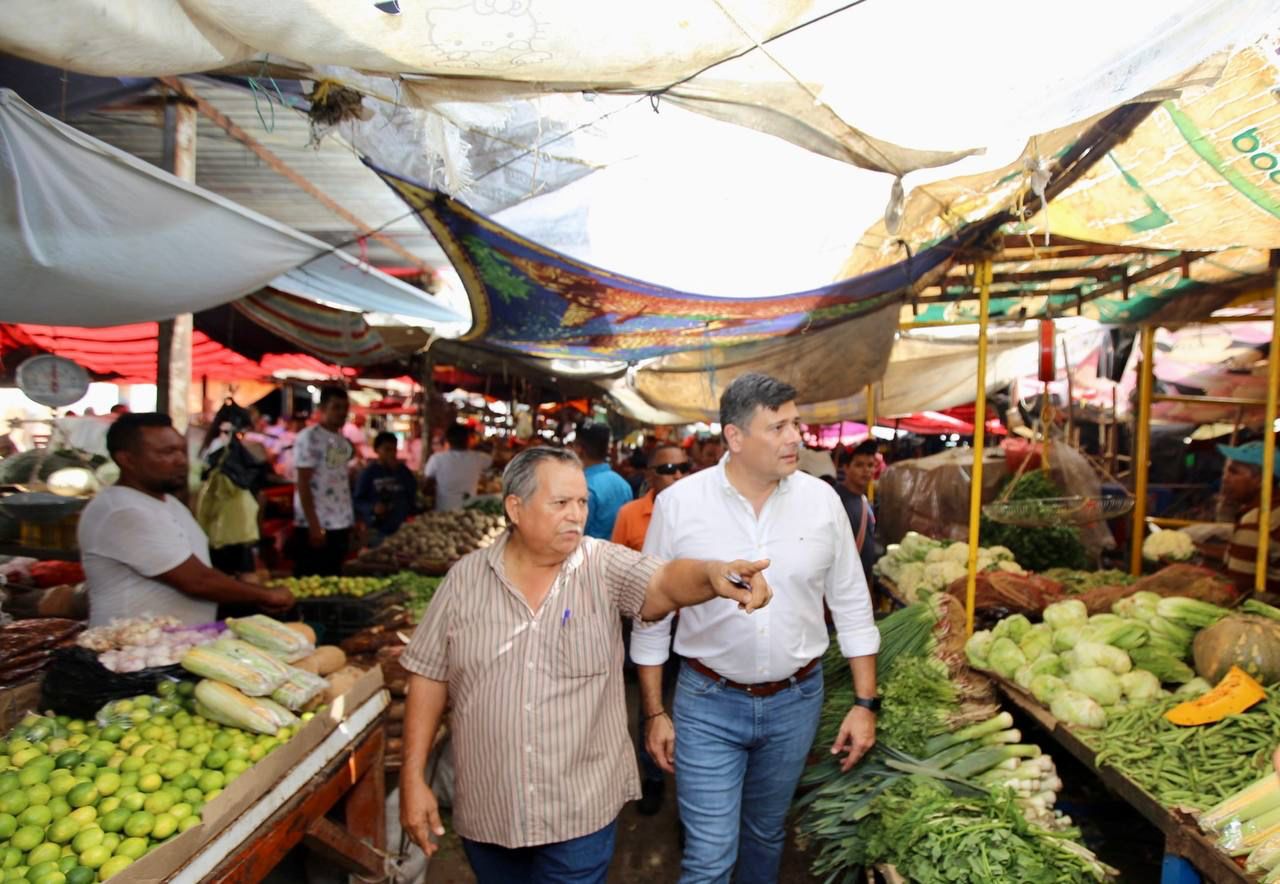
(582,860)
(738,759)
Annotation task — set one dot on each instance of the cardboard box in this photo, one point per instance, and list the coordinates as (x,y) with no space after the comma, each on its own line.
(162,863)
(17,700)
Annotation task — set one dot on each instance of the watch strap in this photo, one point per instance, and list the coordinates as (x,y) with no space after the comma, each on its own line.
(871,703)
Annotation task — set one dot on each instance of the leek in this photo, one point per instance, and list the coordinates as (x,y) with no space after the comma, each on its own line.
(988,757)
(1253,800)
(1000,722)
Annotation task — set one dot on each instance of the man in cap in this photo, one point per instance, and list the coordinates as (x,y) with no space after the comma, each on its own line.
(1242,486)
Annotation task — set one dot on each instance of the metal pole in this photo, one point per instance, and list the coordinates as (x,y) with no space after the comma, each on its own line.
(871,425)
(1269,441)
(979,442)
(1142,456)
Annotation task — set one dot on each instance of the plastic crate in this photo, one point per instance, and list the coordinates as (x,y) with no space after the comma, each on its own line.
(339,617)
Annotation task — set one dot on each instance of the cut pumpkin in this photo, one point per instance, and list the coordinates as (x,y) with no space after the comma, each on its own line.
(1234,694)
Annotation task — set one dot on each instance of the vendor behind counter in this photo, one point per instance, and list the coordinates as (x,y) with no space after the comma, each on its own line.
(143,551)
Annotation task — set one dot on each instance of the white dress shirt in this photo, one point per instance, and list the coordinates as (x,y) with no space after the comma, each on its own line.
(804,532)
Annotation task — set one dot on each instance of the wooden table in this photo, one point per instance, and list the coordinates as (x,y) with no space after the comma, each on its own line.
(1183,837)
(344,774)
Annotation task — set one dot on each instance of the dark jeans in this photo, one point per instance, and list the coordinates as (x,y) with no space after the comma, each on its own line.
(323,562)
(582,860)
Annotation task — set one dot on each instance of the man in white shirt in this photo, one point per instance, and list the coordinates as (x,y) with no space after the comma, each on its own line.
(323,513)
(143,551)
(456,471)
(749,691)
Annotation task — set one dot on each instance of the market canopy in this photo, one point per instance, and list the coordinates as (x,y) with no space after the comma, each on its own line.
(90,235)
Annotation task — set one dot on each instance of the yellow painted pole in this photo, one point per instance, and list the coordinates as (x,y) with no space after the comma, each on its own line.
(1268,448)
(871,425)
(979,442)
(1142,457)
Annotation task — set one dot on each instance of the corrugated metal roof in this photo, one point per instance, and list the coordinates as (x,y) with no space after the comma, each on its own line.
(227,167)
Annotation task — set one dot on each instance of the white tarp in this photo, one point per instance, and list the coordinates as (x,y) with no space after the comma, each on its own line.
(927,371)
(893,87)
(91,236)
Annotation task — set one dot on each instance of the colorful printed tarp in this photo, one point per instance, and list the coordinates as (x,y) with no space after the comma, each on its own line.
(542,303)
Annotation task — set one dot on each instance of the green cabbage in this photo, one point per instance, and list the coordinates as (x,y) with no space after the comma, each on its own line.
(1066,637)
(1096,682)
(1140,685)
(1071,612)
(978,647)
(1047,664)
(1022,678)
(1014,627)
(1005,656)
(1087,654)
(1045,687)
(1036,641)
(1076,708)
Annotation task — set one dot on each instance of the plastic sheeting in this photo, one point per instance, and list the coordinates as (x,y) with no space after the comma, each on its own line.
(833,76)
(90,235)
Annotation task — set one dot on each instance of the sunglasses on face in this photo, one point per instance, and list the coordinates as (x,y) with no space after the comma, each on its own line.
(670,469)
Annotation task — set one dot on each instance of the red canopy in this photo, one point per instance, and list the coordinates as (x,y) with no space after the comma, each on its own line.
(958,420)
(127,353)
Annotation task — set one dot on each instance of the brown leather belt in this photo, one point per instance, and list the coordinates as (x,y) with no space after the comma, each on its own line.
(762,689)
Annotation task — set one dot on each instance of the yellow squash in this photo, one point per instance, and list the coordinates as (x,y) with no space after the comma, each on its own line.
(1234,694)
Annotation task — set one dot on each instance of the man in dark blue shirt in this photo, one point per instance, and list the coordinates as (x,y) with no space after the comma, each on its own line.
(385,492)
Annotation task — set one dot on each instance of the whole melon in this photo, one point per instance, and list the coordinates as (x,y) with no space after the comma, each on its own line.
(1244,640)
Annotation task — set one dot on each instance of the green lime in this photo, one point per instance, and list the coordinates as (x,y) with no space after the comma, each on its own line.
(82,875)
(150,782)
(10,857)
(95,856)
(83,795)
(24,756)
(211,780)
(113,866)
(27,837)
(35,815)
(8,825)
(184,780)
(166,825)
(62,783)
(14,802)
(54,877)
(139,824)
(84,815)
(112,733)
(186,688)
(46,852)
(63,830)
(40,793)
(189,822)
(111,841)
(68,759)
(86,769)
(193,795)
(59,807)
(42,868)
(15,875)
(158,754)
(133,801)
(8,781)
(107,783)
(90,836)
(158,802)
(114,820)
(215,759)
(132,847)
(181,810)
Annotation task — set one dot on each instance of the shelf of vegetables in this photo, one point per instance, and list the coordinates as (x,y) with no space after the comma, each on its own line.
(141,789)
(950,792)
(1131,693)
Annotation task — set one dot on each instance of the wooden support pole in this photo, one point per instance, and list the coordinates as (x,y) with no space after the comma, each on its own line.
(223,122)
(173,347)
(1141,463)
(1269,438)
(871,426)
(979,443)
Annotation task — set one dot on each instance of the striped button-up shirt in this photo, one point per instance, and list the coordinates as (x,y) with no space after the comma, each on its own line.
(539,722)
(1242,551)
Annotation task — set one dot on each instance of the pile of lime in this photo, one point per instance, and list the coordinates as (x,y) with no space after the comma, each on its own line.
(327,587)
(81,800)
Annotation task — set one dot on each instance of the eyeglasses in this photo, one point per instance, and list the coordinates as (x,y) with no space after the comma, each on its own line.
(670,469)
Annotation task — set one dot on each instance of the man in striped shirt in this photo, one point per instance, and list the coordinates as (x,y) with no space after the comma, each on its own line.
(1242,485)
(524,641)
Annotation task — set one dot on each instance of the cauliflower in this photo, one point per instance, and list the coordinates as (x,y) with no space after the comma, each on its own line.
(936,555)
(1000,553)
(1168,545)
(940,575)
(915,547)
(909,578)
(1010,567)
(958,552)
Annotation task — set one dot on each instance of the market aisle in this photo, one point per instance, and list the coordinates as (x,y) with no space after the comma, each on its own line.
(648,851)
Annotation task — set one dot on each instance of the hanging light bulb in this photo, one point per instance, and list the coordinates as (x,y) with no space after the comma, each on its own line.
(893,211)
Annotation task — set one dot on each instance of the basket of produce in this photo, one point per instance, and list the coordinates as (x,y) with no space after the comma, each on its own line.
(434,541)
(337,607)
(1046,512)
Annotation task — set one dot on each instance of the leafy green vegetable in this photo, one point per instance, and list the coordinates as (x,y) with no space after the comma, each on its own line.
(1036,549)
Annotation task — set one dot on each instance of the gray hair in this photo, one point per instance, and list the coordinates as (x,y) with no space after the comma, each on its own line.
(521,475)
(747,392)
